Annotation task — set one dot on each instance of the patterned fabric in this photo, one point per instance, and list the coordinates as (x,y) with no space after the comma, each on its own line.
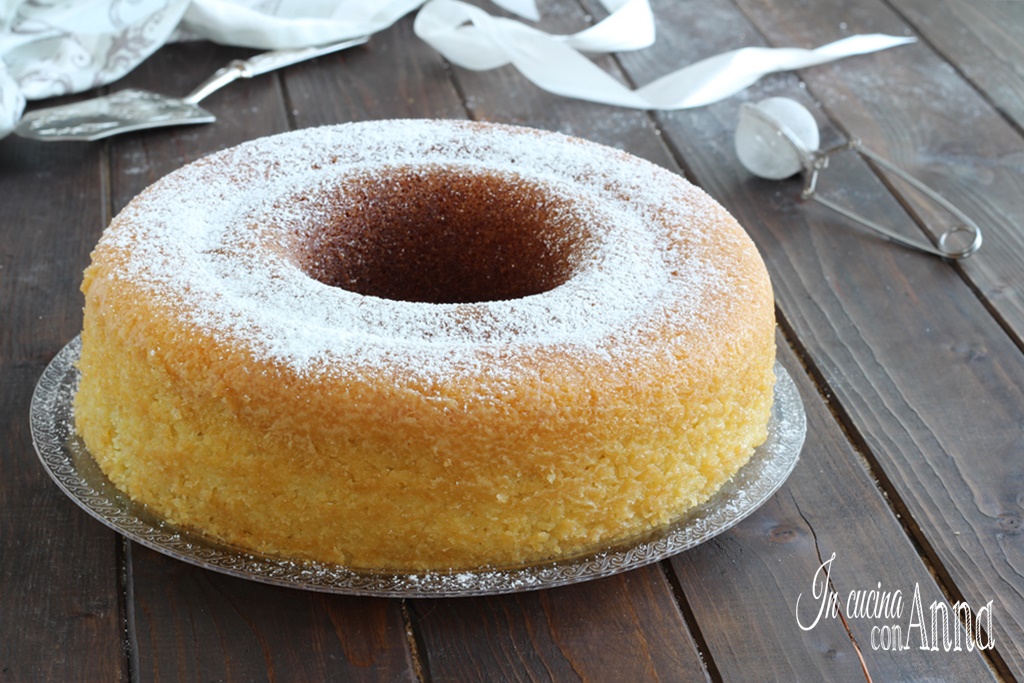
(65,46)
(57,47)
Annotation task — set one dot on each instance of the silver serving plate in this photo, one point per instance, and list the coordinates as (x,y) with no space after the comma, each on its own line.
(130,110)
(69,463)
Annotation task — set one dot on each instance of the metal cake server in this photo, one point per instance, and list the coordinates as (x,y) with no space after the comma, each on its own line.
(130,110)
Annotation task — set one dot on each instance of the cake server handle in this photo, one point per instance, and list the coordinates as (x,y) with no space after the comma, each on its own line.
(264,63)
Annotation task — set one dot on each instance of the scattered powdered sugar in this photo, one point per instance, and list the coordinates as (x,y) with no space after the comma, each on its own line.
(212,241)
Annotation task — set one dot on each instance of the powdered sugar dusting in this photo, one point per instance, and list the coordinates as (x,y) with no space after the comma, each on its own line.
(212,242)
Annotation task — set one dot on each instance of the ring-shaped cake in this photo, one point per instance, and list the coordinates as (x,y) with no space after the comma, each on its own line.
(424,345)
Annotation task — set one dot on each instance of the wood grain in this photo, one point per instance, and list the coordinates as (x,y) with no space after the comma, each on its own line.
(831,506)
(60,609)
(190,624)
(58,595)
(623,628)
(970,508)
(985,40)
(853,300)
(396,75)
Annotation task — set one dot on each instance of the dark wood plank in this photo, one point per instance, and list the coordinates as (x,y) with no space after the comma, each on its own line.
(982,40)
(60,602)
(623,628)
(941,417)
(61,616)
(829,507)
(395,75)
(186,623)
(195,625)
(53,199)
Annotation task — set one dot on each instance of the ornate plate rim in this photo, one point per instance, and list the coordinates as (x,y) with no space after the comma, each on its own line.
(70,465)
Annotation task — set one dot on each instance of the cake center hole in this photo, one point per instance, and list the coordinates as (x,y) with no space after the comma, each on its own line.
(442,236)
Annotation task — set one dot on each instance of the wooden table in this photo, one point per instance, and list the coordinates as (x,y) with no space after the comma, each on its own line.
(911,371)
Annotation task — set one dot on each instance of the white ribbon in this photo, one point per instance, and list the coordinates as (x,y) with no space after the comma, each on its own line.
(472,38)
(64,46)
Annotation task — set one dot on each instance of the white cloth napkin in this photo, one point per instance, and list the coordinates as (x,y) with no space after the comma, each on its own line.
(64,46)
